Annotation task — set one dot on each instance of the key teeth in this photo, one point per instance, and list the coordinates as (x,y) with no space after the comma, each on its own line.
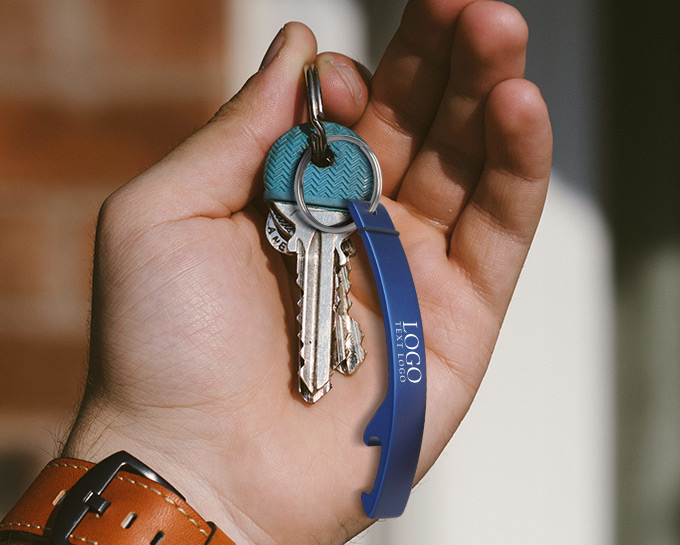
(352,360)
(351,332)
(351,363)
(308,395)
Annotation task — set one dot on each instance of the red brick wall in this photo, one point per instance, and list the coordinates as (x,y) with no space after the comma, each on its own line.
(91,93)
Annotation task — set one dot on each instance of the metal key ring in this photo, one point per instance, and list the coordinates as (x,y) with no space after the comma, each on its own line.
(345,227)
(321,155)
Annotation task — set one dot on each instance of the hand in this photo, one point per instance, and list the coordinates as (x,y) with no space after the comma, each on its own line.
(193,325)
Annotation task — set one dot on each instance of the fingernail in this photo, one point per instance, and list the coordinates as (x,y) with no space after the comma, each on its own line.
(274,48)
(349,77)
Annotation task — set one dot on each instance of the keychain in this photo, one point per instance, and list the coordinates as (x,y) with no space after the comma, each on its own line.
(314,175)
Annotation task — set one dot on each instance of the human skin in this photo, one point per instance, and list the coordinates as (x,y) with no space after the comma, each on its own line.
(192,365)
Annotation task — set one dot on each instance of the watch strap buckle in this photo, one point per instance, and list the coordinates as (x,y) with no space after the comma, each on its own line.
(85,496)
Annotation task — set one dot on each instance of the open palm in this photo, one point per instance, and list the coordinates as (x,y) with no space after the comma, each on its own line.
(193,359)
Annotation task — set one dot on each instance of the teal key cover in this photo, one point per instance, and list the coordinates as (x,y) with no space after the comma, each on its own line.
(349,177)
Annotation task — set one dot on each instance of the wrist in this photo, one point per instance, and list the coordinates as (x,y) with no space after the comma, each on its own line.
(186,466)
(118,500)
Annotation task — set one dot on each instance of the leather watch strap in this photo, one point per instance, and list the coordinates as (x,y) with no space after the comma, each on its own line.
(134,509)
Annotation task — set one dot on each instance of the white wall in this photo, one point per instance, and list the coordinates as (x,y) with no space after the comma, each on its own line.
(252,25)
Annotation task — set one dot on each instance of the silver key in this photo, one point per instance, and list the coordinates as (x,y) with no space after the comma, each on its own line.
(318,254)
(347,352)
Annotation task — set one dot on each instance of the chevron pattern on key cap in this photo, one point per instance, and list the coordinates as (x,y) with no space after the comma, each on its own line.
(350,176)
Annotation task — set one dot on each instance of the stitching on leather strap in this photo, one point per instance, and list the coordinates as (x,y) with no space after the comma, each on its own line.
(167,499)
(85,540)
(62,464)
(46,528)
(25,525)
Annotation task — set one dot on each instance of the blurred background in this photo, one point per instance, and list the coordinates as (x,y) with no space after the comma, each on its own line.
(574,436)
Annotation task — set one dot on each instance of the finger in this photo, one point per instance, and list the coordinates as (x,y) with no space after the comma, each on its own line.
(408,84)
(489,47)
(344,85)
(492,237)
(213,172)
(217,171)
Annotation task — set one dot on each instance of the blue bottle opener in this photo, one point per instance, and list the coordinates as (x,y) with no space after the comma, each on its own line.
(397,426)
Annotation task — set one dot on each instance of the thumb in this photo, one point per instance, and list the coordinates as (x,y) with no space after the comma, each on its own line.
(213,172)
